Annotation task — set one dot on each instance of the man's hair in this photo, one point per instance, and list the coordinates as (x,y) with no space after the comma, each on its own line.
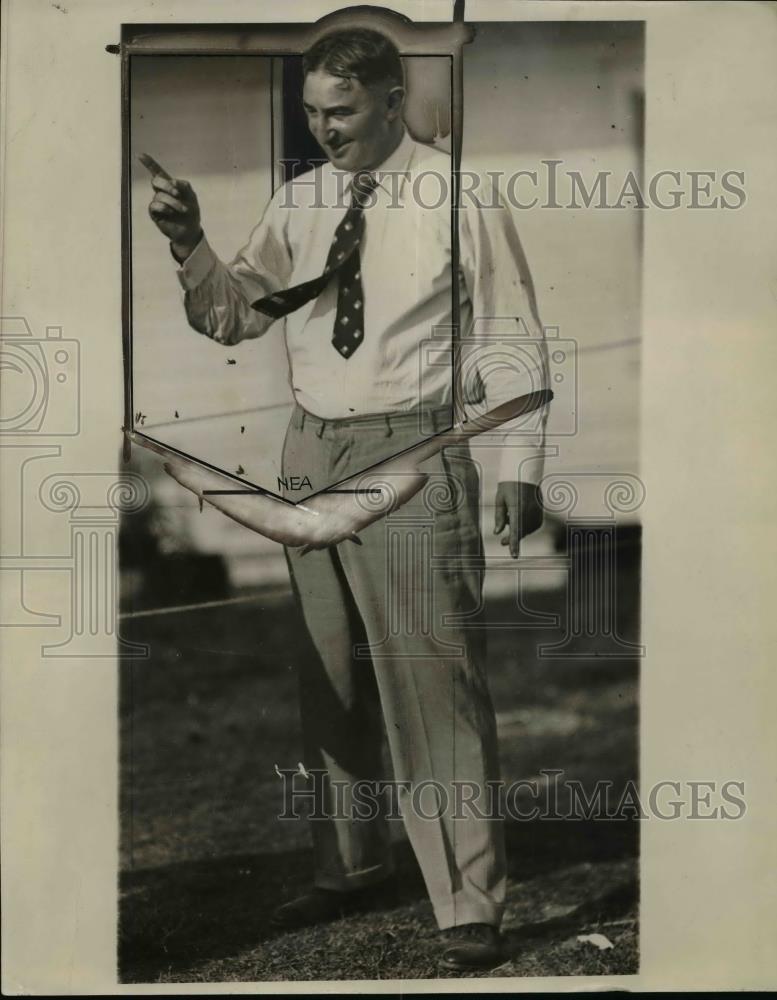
(359,53)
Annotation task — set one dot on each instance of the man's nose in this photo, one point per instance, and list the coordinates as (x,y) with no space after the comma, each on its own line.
(323,133)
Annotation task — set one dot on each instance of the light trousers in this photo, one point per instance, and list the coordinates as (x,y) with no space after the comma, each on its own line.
(392,621)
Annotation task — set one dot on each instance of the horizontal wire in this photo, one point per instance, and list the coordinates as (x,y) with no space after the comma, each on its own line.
(178,608)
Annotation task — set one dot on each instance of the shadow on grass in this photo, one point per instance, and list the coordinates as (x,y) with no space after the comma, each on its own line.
(217,700)
(620,900)
(177,917)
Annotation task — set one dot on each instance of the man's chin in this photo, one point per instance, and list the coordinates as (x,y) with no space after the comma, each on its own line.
(347,160)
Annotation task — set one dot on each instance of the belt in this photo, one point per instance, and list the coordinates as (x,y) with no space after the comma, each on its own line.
(426,420)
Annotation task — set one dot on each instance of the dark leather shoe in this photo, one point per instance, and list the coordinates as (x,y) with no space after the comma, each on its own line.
(320,906)
(471,946)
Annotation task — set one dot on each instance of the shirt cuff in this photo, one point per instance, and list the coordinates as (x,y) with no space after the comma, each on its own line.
(197,266)
(522,457)
(521,465)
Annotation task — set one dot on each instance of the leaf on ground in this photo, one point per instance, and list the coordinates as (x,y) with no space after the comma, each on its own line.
(597,940)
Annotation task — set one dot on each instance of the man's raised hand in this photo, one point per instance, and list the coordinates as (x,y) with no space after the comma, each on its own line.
(174,208)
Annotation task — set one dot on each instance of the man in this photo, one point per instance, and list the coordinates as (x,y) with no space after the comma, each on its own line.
(356,257)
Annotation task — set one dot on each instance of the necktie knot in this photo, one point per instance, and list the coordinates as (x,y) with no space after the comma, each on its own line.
(362,186)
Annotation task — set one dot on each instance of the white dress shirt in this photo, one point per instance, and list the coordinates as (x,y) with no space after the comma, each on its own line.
(404,360)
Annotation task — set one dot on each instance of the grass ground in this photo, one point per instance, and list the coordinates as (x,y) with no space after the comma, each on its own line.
(204,860)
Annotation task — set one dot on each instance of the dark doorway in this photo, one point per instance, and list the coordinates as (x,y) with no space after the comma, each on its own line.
(300,152)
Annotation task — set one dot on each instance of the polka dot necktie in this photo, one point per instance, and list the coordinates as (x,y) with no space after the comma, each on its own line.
(342,260)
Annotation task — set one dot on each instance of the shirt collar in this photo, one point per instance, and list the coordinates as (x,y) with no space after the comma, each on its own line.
(398,160)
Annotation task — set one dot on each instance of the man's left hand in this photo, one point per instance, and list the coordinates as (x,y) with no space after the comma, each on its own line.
(518,507)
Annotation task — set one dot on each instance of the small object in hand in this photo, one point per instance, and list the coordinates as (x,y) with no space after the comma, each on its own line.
(154,168)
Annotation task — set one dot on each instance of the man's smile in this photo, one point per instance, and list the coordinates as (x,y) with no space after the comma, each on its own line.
(338,148)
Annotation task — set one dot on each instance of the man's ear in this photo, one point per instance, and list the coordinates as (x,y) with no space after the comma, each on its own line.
(394,101)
